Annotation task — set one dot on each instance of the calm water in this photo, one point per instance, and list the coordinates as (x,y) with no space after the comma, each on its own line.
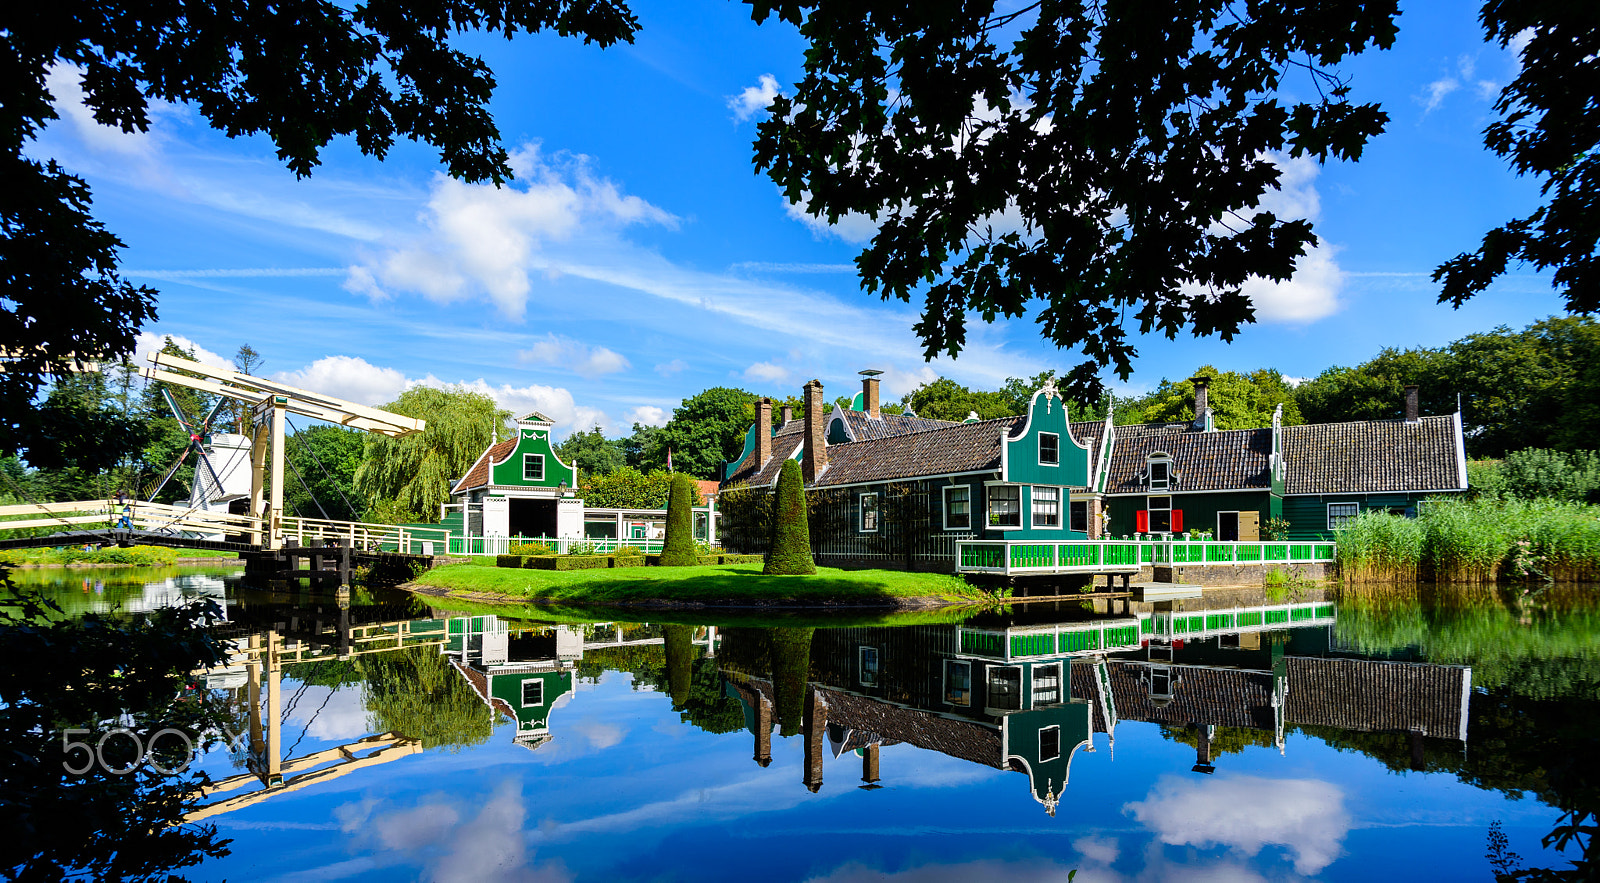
(1341,739)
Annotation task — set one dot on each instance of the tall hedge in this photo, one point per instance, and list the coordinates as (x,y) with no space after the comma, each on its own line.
(679,551)
(790,550)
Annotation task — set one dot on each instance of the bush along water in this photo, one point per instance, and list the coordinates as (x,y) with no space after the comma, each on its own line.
(678,550)
(1480,541)
(790,550)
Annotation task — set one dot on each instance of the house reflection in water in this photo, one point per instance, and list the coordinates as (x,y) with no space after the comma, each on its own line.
(1029,696)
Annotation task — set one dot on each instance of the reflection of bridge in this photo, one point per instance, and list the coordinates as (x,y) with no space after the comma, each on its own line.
(1043,557)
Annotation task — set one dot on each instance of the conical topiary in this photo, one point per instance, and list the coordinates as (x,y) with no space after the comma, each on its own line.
(790,551)
(678,550)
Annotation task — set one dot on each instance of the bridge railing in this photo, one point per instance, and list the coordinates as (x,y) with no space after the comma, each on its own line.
(1022,557)
(127,515)
(361,535)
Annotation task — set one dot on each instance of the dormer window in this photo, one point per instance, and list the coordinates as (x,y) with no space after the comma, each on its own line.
(1159,472)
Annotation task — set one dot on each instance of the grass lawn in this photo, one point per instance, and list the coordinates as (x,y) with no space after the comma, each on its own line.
(726,583)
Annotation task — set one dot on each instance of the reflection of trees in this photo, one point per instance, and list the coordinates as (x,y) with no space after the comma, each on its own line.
(791,669)
(1224,740)
(100,673)
(707,705)
(646,663)
(680,662)
(417,693)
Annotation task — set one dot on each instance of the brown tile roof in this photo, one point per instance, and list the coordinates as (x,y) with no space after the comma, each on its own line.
(1372,456)
(1225,697)
(480,685)
(967,740)
(766,474)
(951,448)
(863,428)
(706,487)
(1204,461)
(1373,696)
(478,475)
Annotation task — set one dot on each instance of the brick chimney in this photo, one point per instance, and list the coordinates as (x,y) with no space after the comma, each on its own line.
(1202,395)
(763,431)
(788,414)
(816,734)
(1413,412)
(816,455)
(869,393)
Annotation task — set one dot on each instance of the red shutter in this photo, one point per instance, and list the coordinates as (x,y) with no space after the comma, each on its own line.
(1177,521)
(1141,521)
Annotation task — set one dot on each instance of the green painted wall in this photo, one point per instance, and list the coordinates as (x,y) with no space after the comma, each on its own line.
(1308,515)
(533,441)
(1022,741)
(1199,510)
(509,688)
(1047,414)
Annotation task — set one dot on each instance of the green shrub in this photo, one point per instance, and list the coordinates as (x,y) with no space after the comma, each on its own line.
(583,548)
(509,560)
(568,562)
(628,552)
(531,549)
(790,550)
(678,550)
(708,559)
(627,560)
(741,559)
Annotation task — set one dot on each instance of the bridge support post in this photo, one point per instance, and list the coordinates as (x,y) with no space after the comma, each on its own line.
(275,526)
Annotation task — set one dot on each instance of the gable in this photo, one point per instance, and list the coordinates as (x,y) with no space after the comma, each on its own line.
(510,471)
(1047,417)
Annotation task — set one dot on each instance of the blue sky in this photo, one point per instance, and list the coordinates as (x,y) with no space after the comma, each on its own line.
(638,259)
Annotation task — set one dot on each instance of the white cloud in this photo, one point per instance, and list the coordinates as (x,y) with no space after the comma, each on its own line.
(852,227)
(483,241)
(986,869)
(580,358)
(490,847)
(754,99)
(348,377)
(646,415)
(1305,816)
(150,343)
(1435,92)
(339,717)
(766,372)
(64,82)
(599,735)
(667,369)
(1293,381)
(554,402)
(1101,850)
(1312,293)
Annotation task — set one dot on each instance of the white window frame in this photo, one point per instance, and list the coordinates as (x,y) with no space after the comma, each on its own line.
(1235,513)
(966,489)
(988,505)
(539,458)
(861,666)
(1086,509)
(1033,508)
(862,506)
(945,682)
(988,688)
(1342,516)
(1150,472)
(1055,461)
(1033,692)
(1149,508)
(525,702)
(1057,755)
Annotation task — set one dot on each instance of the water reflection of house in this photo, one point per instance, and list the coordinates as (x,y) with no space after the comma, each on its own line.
(522,676)
(1028,696)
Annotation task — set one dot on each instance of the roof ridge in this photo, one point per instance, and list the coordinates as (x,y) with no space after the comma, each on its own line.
(1387,421)
(947,426)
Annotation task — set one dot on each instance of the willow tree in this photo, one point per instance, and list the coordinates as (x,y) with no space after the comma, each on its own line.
(408,478)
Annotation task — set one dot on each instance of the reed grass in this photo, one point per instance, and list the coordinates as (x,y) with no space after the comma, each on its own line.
(1477,541)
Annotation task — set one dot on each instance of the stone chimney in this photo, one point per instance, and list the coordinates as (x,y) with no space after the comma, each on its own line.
(1413,413)
(763,756)
(869,393)
(816,729)
(1202,396)
(788,414)
(763,431)
(816,455)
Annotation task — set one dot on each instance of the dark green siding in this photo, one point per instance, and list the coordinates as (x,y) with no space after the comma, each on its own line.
(1308,515)
(1199,510)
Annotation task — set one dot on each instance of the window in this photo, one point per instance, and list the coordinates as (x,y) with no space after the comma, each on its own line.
(1080,516)
(1339,513)
(532,693)
(1005,505)
(1049,744)
(1159,469)
(1047,684)
(1005,688)
(1047,507)
(1049,449)
(869,666)
(957,682)
(533,467)
(702,526)
(958,507)
(1160,514)
(869,513)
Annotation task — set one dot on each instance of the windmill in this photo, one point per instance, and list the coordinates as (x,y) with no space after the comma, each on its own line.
(207,486)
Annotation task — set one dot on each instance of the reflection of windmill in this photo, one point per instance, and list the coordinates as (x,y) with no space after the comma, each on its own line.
(214,483)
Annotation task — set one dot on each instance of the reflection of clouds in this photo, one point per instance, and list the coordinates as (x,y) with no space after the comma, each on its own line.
(486,848)
(600,735)
(1247,812)
(342,716)
(1101,850)
(1038,869)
